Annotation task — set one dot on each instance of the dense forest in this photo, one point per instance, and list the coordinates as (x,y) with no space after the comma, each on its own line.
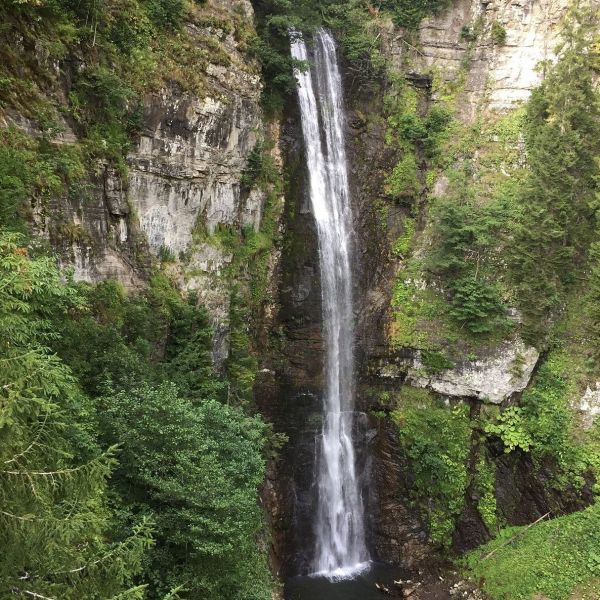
(132,462)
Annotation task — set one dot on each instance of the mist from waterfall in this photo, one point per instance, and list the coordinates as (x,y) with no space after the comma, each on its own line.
(340,534)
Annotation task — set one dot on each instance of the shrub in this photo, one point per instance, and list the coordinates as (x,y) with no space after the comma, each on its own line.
(485,488)
(436,440)
(195,468)
(511,428)
(408,13)
(403,182)
(498,34)
(166,13)
(477,305)
(402,244)
(434,362)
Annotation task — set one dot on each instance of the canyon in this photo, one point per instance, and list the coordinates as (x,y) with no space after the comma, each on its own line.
(186,188)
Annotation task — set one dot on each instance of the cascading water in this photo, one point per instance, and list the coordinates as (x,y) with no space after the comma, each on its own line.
(340,535)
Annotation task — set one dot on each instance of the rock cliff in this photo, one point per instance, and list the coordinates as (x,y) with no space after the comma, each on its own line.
(487,57)
(184,172)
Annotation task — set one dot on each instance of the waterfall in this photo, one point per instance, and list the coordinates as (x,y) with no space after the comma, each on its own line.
(340,535)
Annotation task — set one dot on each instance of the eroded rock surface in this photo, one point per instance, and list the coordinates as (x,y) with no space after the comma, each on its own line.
(493,378)
(588,405)
(499,73)
(187,167)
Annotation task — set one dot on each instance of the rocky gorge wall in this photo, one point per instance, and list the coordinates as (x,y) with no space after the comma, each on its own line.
(185,189)
(183,179)
(485,56)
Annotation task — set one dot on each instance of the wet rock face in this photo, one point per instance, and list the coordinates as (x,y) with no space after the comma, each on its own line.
(290,384)
(397,533)
(524,492)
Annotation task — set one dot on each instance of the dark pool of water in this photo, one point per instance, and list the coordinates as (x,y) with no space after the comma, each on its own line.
(362,587)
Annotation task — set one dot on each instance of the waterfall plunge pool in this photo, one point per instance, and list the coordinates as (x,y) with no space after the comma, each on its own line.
(361,587)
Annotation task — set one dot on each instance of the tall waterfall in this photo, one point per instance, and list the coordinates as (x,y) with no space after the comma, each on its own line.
(340,535)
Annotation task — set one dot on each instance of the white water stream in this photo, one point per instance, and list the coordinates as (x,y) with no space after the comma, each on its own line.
(340,534)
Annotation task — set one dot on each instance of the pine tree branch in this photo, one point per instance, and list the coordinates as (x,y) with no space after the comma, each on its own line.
(33,444)
(15,590)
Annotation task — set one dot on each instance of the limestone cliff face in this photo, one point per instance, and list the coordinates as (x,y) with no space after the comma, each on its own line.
(512,39)
(94,233)
(184,174)
(489,51)
(186,170)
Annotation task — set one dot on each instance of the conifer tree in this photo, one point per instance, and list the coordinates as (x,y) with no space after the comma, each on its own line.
(53,512)
(563,142)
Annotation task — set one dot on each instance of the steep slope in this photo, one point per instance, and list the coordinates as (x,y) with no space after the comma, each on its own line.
(474,358)
(443,178)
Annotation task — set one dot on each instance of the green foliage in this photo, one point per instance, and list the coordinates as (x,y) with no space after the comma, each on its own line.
(436,440)
(555,559)
(32,168)
(127,348)
(111,53)
(402,245)
(358,35)
(463,236)
(261,169)
(188,359)
(562,135)
(468,33)
(437,126)
(546,408)
(477,305)
(511,428)
(403,182)
(194,468)
(166,13)
(188,463)
(55,525)
(592,307)
(435,362)
(409,305)
(420,313)
(543,424)
(123,339)
(409,13)
(485,489)
(242,365)
(166,254)
(271,47)
(498,34)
